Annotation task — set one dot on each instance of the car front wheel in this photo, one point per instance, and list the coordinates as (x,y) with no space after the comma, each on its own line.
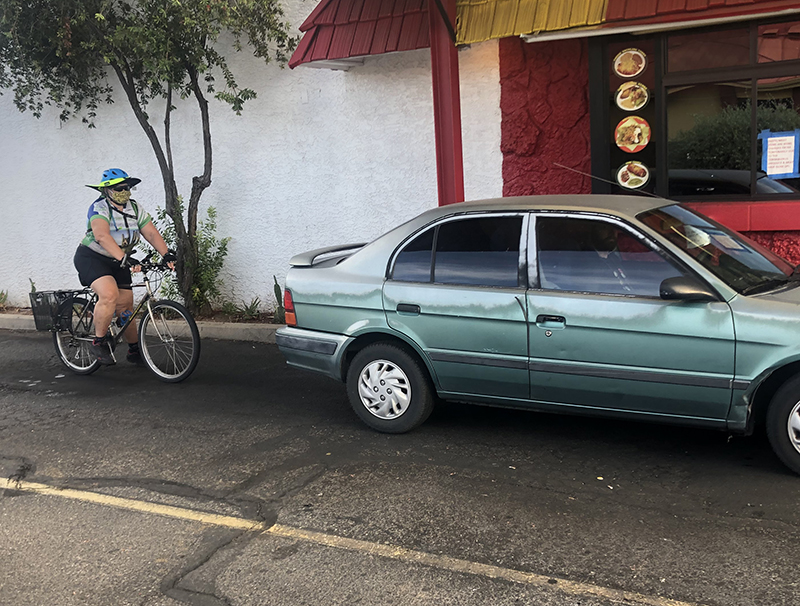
(388,389)
(783,424)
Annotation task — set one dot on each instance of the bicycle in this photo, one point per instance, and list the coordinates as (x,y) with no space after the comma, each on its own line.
(169,341)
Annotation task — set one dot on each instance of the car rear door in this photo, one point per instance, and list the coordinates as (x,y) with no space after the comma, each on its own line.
(602,338)
(457,290)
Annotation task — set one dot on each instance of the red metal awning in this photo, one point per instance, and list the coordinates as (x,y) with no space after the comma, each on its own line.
(653,15)
(342,29)
(337,31)
(664,11)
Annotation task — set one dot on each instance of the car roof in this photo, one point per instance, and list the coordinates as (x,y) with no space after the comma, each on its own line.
(629,206)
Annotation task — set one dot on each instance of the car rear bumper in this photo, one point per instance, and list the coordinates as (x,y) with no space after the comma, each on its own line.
(313,350)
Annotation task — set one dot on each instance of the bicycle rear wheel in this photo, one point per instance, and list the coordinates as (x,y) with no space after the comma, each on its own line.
(169,341)
(75,334)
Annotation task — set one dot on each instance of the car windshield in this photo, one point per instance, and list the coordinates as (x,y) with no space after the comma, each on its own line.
(741,263)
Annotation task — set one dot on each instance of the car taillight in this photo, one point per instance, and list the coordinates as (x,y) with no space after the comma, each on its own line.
(288,308)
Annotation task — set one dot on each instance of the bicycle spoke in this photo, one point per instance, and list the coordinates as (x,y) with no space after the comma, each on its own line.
(72,343)
(169,341)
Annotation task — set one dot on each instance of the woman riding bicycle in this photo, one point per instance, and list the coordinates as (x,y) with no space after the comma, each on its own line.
(104,261)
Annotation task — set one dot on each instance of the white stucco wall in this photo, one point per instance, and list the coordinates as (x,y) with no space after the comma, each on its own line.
(320,157)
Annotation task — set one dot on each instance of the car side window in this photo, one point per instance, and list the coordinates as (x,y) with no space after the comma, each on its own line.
(479,251)
(597,256)
(413,263)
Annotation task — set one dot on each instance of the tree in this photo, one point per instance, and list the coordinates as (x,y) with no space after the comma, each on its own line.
(62,52)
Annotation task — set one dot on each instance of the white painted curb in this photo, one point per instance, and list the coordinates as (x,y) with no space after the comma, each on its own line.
(230,331)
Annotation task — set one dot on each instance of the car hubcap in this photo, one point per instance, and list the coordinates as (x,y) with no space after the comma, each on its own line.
(384,389)
(794,427)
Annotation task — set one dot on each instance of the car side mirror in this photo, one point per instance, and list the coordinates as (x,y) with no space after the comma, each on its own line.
(685,288)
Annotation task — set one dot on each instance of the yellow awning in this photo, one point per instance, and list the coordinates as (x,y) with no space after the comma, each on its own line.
(479,20)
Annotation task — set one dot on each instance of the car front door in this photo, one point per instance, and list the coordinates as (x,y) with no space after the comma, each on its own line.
(458,291)
(602,338)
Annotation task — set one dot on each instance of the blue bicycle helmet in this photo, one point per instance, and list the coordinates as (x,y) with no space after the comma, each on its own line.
(113,176)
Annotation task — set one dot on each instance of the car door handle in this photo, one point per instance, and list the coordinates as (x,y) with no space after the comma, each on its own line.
(408,308)
(545,321)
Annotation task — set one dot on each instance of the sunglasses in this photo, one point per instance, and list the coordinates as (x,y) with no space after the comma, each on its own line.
(121,188)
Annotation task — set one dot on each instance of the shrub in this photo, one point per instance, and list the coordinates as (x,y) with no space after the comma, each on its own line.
(211,253)
(280,312)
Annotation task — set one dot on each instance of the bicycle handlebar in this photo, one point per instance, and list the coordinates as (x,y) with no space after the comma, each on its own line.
(147,265)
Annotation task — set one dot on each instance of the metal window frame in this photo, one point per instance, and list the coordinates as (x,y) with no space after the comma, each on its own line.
(600,106)
(533,268)
(522,270)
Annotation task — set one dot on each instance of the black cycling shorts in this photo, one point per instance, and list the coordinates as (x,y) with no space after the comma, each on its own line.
(92,265)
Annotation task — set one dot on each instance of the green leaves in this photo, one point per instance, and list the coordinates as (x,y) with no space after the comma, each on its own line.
(211,253)
(56,53)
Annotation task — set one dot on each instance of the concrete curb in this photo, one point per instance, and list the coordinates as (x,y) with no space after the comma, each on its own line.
(230,331)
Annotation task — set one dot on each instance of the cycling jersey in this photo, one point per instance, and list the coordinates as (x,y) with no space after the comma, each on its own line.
(124,225)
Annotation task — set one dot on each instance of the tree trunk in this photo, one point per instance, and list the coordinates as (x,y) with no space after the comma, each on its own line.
(199,184)
(186,233)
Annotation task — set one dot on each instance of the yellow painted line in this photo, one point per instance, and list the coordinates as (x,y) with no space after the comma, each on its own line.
(465,566)
(393,552)
(142,506)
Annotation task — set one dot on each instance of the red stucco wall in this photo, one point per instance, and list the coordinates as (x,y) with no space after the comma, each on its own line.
(544,101)
(784,243)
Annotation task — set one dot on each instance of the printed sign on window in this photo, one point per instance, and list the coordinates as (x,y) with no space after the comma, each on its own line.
(780,153)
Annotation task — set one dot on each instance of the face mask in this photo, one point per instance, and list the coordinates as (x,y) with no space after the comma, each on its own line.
(120,197)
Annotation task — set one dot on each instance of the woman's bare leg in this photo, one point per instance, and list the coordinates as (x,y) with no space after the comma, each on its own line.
(107,295)
(125,303)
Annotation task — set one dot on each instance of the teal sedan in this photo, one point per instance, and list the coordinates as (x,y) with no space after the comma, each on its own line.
(620,306)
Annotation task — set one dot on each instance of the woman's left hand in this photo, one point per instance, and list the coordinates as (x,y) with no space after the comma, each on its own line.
(169,258)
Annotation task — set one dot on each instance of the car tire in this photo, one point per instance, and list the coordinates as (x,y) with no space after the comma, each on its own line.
(388,388)
(783,424)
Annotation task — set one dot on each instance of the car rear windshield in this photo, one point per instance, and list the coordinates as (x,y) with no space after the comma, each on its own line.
(741,263)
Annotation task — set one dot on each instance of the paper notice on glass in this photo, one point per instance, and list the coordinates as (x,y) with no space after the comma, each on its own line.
(780,155)
(727,243)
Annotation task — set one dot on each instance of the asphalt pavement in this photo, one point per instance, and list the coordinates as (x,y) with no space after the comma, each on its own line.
(252,483)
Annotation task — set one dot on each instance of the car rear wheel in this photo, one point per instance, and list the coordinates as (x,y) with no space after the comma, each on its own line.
(783,424)
(388,389)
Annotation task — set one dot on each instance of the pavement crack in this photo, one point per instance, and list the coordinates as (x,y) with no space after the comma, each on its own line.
(249,507)
(169,487)
(194,582)
(22,467)
(300,484)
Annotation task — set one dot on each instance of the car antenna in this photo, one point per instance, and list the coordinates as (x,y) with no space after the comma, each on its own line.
(580,172)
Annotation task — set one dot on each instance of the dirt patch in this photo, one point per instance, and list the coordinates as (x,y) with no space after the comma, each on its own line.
(20,311)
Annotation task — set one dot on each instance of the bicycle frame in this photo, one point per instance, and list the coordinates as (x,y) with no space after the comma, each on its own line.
(170,345)
(118,334)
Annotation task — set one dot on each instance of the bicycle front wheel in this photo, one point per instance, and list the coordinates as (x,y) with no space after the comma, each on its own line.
(169,341)
(72,340)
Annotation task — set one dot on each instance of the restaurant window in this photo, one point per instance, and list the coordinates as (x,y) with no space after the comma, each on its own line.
(701,114)
(721,48)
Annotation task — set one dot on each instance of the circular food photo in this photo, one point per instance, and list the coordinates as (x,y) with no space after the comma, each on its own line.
(632,96)
(632,134)
(633,175)
(629,63)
